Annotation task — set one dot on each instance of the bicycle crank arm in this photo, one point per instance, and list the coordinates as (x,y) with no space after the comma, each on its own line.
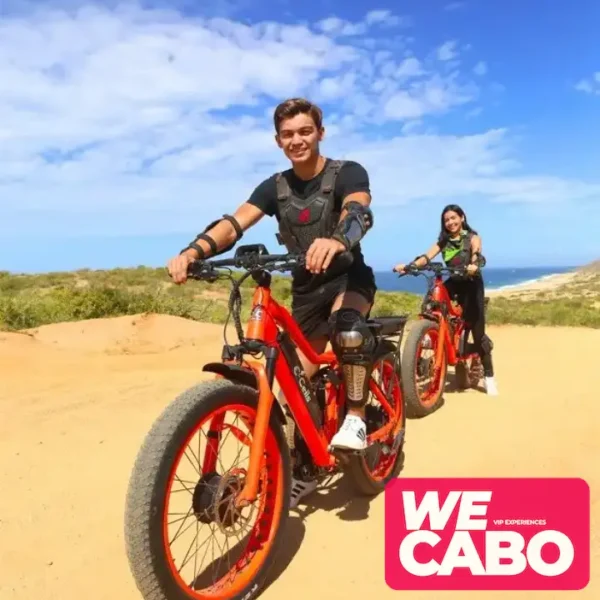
(343,455)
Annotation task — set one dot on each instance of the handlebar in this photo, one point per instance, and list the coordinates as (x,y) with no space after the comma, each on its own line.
(252,260)
(437,268)
(207,270)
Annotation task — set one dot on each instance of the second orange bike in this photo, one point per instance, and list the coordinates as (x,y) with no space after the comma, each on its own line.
(441,334)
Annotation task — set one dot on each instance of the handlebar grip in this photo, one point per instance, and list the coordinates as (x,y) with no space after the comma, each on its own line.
(341,263)
(199,269)
(195,267)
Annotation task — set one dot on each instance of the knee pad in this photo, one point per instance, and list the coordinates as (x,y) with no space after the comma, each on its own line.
(486,344)
(354,344)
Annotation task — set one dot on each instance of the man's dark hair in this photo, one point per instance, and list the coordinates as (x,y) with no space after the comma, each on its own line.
(295,106)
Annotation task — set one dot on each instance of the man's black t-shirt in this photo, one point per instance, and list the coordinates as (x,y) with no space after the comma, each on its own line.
(352,177)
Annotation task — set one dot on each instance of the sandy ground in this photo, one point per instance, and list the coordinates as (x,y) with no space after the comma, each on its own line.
(77,399)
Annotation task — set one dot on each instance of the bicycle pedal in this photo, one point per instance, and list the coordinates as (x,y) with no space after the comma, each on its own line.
(344,454)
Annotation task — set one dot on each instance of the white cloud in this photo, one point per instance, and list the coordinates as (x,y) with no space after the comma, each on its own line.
(379,16)
(386,18)
(480,68)
(130,120)
(338,27)
(590,85)
(455,6)
(447,51)
(430,96)
(437,166)
(410,67)
(341,27)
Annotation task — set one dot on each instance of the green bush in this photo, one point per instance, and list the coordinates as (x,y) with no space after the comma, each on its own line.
(22,311)
(33,300)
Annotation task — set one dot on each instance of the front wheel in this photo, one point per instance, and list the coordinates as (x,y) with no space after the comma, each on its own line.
(382,460)
(423,380)
(169,513)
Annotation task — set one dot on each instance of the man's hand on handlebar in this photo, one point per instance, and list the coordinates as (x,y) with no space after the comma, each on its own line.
(178,267)
(321,253)
(328,255)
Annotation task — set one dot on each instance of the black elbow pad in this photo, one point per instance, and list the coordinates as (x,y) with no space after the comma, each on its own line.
(354,226)
(213,245)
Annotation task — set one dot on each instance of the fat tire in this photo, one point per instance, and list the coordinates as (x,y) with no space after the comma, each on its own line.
(414,407)
(149,478)
(356,469)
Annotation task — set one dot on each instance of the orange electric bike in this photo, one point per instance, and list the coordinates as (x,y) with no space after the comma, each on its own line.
(441,333)
(244,507)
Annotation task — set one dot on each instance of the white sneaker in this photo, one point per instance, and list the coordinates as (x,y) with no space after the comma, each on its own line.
(352,434)
(300,489)
(490,386)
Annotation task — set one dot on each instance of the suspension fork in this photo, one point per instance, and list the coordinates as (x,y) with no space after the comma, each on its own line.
(209,464)
(444,345)
(261,426)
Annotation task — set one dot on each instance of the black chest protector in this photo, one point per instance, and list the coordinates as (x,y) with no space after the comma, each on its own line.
(457,253)
(302,220)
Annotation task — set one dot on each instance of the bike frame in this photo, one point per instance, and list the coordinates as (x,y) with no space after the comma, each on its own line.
(437,297)
(282,363)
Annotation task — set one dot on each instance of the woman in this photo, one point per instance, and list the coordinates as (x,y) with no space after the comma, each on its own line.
(461,245)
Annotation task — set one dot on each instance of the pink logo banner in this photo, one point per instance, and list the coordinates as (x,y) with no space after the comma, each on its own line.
(487,534)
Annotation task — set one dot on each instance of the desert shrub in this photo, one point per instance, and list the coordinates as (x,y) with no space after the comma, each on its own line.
(33,300)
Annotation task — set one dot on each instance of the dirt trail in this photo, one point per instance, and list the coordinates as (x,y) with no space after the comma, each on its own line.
(76,400)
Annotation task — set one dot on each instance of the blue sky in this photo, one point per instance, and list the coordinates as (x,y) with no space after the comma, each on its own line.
(125,128)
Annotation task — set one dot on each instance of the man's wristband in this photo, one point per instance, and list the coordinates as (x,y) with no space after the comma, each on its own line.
(194,246)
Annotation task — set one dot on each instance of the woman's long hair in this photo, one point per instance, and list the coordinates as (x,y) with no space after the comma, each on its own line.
(444,235)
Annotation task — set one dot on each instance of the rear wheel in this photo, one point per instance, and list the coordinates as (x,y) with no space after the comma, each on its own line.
(383,459)
(423,383)
(163,506)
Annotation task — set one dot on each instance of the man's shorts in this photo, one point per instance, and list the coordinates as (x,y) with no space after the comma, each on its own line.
(312,309)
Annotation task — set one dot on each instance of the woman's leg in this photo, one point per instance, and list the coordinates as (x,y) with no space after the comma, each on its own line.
(482,341)
(451,287)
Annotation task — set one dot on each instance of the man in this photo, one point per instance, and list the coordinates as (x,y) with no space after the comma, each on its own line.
(322,207)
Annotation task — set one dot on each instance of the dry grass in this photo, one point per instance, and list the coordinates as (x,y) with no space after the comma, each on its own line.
(34,300)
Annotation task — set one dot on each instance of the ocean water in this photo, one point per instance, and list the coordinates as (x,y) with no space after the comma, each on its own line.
(494,278)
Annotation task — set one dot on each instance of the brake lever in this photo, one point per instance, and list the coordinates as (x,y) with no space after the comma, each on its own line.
(286,265)
(210,277)
(203,272)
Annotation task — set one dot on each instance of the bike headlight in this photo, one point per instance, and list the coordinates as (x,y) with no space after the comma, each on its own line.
(349,339)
